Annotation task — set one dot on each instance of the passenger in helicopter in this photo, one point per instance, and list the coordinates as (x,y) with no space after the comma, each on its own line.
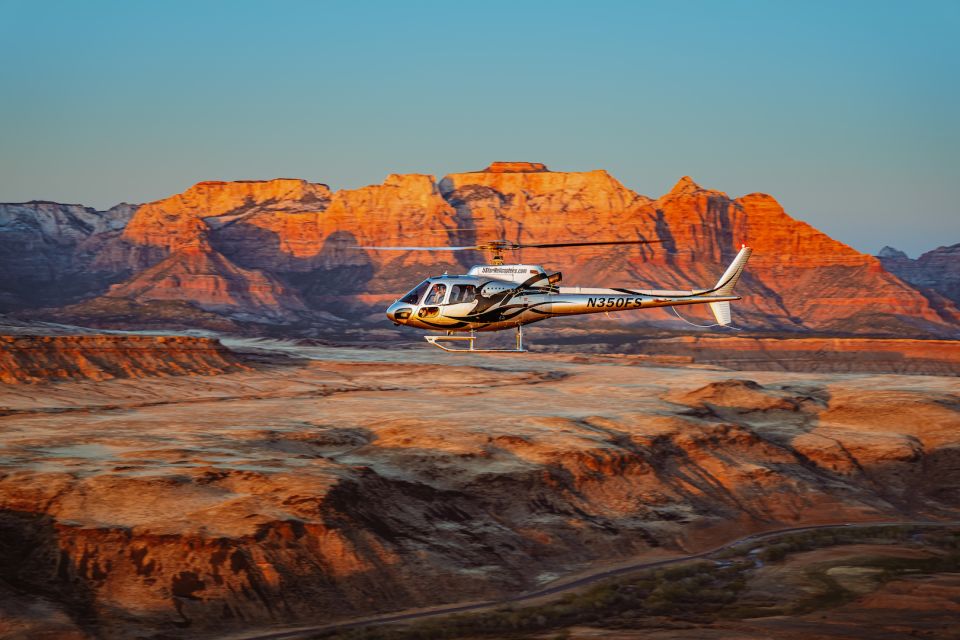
(462,293)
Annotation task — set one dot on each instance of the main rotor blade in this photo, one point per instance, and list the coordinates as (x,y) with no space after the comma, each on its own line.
(582,244)
(418,248)
(503,245)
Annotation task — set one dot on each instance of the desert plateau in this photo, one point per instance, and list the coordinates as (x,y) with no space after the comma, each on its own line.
(280,486)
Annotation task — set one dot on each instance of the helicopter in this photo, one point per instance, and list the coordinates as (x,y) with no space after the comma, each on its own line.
(498,296)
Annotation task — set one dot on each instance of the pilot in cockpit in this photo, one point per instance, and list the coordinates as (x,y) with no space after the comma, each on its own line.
(436,294)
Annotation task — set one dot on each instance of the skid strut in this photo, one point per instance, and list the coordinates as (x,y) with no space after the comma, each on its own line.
(470,340)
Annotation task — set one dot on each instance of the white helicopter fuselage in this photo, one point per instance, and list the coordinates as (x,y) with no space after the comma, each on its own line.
(497,297)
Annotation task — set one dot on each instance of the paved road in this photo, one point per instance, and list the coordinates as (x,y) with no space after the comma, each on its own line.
(600,575)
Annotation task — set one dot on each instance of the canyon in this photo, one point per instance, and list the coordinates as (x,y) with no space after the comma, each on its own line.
(283,256)
(320,483)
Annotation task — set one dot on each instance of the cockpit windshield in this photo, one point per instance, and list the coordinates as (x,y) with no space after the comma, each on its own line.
(414,296)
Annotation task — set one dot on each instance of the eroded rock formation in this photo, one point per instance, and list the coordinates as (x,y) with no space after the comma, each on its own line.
(334,489)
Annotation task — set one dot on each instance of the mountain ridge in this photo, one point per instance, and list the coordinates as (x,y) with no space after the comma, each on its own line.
(291,244)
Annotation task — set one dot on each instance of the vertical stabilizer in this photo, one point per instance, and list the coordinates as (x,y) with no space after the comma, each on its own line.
(724,286)
(728,280)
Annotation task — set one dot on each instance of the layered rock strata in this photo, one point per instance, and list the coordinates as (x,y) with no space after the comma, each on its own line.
(42,359)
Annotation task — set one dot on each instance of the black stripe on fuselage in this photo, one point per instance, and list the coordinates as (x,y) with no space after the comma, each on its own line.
(684,295)
(498,315)
(458,325)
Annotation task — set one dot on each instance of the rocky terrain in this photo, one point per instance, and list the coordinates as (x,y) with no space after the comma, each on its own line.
(281,255)
(766,353)
(351,481)
(50,358)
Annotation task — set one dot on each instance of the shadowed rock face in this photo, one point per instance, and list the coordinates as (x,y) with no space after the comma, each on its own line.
(329,489)
(282,250)
(47,251)
(937,270)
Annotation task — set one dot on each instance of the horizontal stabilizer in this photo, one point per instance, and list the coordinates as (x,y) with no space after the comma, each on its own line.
(721,311)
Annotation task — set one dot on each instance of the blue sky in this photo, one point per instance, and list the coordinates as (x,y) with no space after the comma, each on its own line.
(847,112)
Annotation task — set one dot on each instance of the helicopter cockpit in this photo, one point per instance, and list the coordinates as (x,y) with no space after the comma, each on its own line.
(441,293)
(416,293)
(430,295)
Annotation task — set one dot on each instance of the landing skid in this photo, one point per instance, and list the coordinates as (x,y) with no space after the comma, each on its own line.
(436,340)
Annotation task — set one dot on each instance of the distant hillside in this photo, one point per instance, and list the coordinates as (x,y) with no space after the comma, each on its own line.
(937,270)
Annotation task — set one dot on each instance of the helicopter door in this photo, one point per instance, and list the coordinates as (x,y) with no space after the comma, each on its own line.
(431,304)
(463,293)
(462,300)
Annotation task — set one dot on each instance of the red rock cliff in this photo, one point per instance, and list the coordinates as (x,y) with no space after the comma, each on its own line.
(276,250)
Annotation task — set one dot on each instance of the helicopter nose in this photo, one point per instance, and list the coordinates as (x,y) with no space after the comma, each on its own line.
(397,313)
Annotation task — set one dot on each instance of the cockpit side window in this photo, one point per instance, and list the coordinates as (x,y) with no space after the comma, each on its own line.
(414,296)
(463,293)
(437,294)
